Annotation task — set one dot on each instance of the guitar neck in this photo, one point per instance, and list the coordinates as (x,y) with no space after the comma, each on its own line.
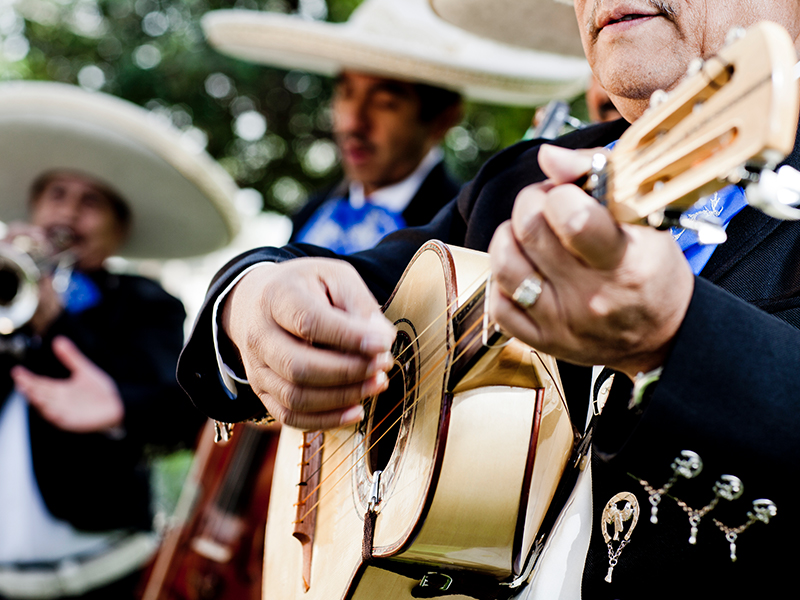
(474,334)
(738,108)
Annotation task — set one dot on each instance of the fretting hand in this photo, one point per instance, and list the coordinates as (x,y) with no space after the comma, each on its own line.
(611,294)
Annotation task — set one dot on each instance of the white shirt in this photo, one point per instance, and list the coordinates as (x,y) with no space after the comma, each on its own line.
(396,197)
(28,532)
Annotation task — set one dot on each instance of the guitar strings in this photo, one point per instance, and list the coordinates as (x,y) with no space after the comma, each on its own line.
(439,319)
(422,395)
(424,378)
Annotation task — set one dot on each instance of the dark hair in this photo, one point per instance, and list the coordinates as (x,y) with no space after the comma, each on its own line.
(434,101)
(119,206)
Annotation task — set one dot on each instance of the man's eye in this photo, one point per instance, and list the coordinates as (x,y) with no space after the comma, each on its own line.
(386,101)
(57,193)
(92,200)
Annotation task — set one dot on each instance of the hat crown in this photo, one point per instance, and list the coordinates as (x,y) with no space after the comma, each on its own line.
(409,20)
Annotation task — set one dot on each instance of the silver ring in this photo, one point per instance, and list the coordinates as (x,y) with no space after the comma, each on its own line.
(528,292)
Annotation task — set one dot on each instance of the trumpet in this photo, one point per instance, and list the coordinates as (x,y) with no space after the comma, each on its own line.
(23,262)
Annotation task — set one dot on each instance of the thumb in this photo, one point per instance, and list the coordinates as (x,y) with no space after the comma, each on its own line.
(361,313)
(67,352)
(562,165)
(583,225)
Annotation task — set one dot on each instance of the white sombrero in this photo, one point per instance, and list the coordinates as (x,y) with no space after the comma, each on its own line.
(534,24)
(402,39)
(181,200)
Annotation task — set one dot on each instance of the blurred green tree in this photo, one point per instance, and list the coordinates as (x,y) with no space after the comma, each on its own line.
(268,127)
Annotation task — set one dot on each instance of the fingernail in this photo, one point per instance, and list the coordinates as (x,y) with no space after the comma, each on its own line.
(374,343)
(354,414)
(381,362)
(380,337)
(578,221)
(376,384)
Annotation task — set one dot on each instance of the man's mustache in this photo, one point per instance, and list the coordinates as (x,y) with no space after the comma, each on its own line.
(343,139)
(664,8)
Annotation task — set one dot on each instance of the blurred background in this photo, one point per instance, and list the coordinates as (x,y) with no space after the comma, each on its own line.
(267,127)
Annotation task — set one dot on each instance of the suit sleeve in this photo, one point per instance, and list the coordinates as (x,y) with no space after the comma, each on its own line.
(380,267)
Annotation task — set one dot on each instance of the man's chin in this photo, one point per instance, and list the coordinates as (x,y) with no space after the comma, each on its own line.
(362,172)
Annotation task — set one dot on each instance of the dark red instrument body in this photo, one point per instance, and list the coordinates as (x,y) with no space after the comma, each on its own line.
(215,550)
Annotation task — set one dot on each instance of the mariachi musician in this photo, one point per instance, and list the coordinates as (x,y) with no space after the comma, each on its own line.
(89,352)
(400,75)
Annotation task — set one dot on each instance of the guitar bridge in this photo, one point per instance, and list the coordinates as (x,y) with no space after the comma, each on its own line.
(307,497)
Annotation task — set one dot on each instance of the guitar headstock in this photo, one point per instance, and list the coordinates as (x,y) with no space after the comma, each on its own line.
(739,108)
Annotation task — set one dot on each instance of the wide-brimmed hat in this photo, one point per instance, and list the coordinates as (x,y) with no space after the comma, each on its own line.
(535,24)
(181,200)
(403,40)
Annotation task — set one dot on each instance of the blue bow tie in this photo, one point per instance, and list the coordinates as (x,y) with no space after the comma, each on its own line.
(340,227)
(80,294)
(722,205)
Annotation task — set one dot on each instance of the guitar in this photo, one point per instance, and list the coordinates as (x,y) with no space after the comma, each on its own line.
(213,549)
(444,488)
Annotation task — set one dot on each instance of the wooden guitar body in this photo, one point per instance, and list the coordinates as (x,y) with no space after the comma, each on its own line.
(469,456)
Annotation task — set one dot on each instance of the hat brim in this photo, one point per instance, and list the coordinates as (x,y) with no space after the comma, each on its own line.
(181,200)
(413,47)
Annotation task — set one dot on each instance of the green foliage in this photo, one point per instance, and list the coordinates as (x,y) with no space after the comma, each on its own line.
(153,53)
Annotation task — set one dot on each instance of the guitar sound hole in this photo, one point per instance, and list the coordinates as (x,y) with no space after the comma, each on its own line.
(386,422)
(389,410)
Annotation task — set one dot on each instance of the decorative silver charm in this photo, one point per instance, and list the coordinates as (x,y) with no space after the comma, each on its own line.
(617,517)
(763,510)
(729,487)
(687,465)
(223,432)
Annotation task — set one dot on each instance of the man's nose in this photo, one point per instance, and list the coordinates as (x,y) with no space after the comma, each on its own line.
(352,117)
(69,209)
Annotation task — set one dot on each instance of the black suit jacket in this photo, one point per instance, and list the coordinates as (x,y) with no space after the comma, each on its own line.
(134,334)
(728,391)
(436,190)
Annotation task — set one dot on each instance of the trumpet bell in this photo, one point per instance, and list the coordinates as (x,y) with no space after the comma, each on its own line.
(19,289)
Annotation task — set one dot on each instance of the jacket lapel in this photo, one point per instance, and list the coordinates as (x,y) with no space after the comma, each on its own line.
(747,229)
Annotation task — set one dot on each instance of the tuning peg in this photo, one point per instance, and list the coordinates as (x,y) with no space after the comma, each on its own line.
(776,193)
(695,66)
(735,33)
(708,228)
(658,97)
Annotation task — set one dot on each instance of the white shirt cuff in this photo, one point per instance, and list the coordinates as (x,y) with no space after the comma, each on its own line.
(229,376)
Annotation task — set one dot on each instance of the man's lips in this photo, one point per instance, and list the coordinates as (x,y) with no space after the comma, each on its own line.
(623,14)
(627,18)
(356,151)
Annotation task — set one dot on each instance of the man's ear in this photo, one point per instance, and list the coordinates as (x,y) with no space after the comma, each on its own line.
(450,117)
